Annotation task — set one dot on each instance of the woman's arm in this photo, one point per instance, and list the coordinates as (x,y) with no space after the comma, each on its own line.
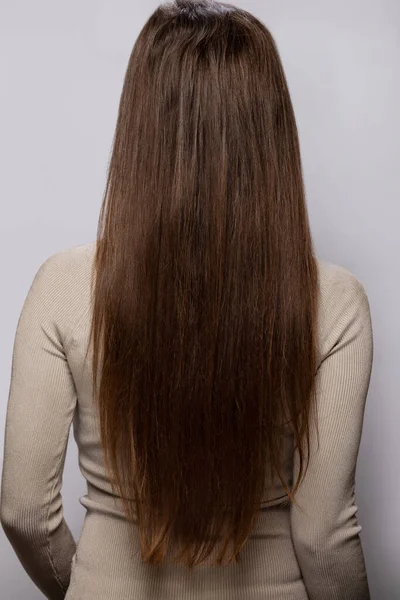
(40,409)
(326,534)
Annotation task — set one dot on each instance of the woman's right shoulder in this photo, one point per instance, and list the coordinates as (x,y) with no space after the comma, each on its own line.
(334,279)
(342,300)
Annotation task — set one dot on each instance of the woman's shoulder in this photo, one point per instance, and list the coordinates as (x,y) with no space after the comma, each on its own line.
(61,286)
(72,255)
(343,303)
(68,266)
(334,279)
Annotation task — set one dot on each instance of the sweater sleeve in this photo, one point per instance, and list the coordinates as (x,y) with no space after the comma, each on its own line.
(41,404)
(324,527)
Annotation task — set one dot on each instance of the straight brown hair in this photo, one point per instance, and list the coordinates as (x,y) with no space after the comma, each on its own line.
(205,284)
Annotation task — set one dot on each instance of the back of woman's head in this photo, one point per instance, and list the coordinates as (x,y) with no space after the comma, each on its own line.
(204,305)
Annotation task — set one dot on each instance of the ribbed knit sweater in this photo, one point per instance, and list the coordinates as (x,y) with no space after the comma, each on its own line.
(313,552)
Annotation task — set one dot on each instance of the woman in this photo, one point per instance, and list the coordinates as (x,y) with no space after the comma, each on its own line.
(215,370)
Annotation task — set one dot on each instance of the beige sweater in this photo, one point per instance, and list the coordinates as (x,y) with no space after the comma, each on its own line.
(293,554)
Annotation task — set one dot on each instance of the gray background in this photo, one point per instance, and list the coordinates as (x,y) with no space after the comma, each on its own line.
(62,66)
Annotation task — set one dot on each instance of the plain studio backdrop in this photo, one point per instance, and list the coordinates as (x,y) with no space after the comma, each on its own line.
(62,67)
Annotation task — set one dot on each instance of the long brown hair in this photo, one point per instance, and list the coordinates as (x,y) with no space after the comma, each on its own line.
(205,287)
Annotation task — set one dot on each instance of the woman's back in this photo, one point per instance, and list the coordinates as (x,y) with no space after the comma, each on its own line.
(311,550)
(216,333)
